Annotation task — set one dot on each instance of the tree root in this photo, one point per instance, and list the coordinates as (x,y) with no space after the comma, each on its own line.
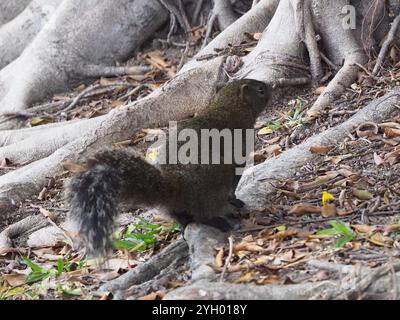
(25,226)
(255,20)
(18,33)
(254,187)
(23,147)
(46,67)
(342,80)
(9,10)
(224,13)
(375,284)
(305,28)
(172,272)
(175,254)
(202,241)
(386,45)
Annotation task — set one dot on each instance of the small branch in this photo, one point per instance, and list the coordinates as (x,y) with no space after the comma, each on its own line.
(228,259)
(210,26)
(178,12)
(95,71)
(90,89)
(386,45)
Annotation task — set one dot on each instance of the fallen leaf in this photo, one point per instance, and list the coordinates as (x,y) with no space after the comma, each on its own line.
(304,208)
(219,258)
(14,280)
(73,167)
(320,180)
(4,163)
(247,247)
(265,131)
(320,90)
(363,195)
(378,160)
(257,36)
(321,150)
(117,103)
(380,240)
(38,122)
(367,129)
(328,210)
(392,132)
(153,296)
(392,228)
(363,228)
(247,277)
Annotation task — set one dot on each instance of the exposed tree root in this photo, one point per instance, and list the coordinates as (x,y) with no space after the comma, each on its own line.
(255,20)
(9,10)
(342,80)
(25,226)
(18,33)
(373,284)
(386,45)
(46,67)
(171,272)
(224,13)
(202,241)
(175,254)
(254,186)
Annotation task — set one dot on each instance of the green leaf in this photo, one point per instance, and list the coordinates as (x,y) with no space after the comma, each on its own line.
(36,276)
(81,264)
(60,267)
(35,267)
(149,239)
(70,290)
(67,265)
(332,231)
(298,110)
(129,245)
(11,292)
(343,227)
(341,242)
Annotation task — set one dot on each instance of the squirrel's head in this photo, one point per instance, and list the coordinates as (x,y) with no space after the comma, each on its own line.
(253,93)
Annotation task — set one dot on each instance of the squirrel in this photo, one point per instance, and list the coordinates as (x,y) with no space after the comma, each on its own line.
(202,193)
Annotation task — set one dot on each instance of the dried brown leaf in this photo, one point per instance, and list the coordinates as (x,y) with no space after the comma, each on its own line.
(328,210)
(323,150)
(305,208)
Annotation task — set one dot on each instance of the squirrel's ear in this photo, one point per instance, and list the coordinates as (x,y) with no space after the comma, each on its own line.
(244,90)
(219,86)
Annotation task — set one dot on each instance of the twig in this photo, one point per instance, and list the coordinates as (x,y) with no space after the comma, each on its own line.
(96,71)
(133,91)
(388,42)
(228,259)
(210,25)
(178,13)
(90,89)
(328,61)
(184,55)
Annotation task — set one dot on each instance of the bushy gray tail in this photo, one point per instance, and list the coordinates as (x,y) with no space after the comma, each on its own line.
(93,195)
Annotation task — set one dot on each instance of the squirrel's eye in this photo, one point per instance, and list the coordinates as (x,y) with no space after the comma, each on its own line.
(261,91)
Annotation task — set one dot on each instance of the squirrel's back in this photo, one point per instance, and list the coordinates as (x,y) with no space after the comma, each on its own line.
(188,192)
